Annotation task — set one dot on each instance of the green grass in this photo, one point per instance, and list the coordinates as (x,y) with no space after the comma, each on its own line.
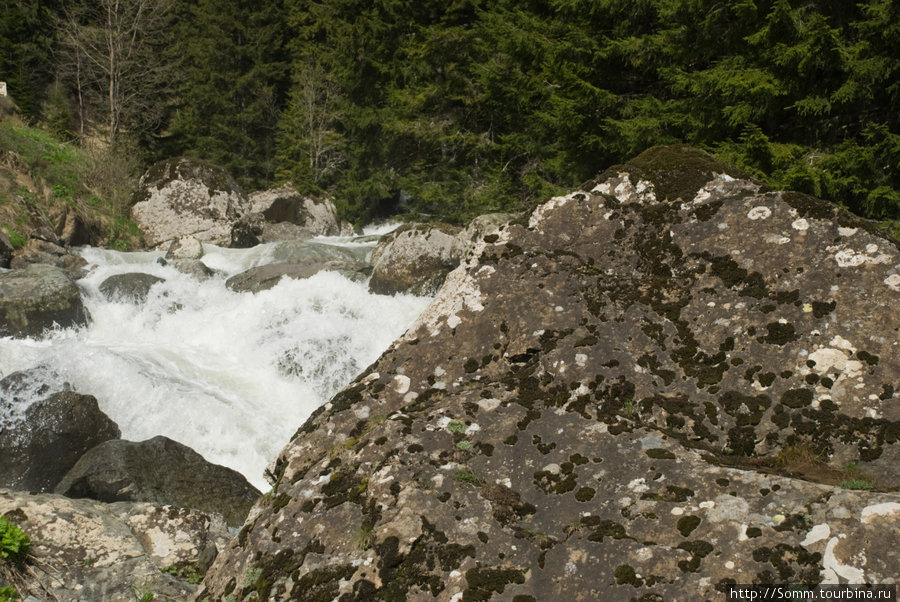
(14,542)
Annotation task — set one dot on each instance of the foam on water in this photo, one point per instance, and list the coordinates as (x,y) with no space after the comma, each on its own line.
(232,375)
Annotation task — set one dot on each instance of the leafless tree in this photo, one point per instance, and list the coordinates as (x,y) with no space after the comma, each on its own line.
(113,48)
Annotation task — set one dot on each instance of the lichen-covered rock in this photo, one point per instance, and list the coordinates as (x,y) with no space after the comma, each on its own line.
(161,471)
(52,434)
(285,204)
(37,298)
(186,247)
(414,258)
(609,400)
(187,197)
(132,286)
(85,550)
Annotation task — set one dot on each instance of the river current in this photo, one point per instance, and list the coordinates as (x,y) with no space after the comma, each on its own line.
(232,375)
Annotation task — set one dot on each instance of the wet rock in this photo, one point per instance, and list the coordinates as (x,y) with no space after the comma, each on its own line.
(611,398)
(414,258)
(160,471)
(52,434)
(84,550)
(187,197)
(285,204)
(37,298)
(264,277)
(193,267)
(133,286)
(283,231)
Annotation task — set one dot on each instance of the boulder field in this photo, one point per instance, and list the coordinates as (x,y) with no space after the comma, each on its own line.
(669,380)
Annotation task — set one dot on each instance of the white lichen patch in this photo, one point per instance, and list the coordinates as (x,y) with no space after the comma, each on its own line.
(400,384)
(626,192)
(759,212)
(816,534)
(541,211)
(801,225)
(847,231)
(886,510)
(777,239)
(459,293)
(832,568)
(850,258)
(893,282)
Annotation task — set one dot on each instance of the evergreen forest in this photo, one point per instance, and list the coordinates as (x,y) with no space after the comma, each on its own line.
(444,109)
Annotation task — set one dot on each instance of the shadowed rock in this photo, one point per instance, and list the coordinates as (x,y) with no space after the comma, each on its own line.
(132,287)
(37,298)
(160,471)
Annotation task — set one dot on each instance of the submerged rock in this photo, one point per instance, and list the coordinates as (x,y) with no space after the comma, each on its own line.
(596,405)
(54,432)
(83,550)
(37,298)
(161,471)
(415,259)
(187,197)
(264,277)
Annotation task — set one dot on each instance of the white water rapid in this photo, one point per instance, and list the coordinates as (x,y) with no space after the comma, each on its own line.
(232,375)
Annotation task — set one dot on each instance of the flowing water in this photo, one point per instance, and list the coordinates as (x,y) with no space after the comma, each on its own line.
(232,375)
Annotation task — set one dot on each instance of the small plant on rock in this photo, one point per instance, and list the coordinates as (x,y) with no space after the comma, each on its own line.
(14,543)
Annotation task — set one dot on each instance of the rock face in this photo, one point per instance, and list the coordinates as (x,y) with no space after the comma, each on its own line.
(285,204)
(36,298)
(596,404)
(414,258)
(181,197)
(160,471)
(54,433)
(83,550)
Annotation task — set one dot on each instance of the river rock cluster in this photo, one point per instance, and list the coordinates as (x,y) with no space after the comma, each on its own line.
(670,380)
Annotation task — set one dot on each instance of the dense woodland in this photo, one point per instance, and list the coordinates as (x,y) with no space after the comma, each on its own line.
(448,108)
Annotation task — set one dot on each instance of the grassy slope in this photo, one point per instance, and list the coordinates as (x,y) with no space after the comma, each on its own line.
(40,175)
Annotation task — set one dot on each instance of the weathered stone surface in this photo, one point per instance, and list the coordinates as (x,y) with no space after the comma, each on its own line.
(53,433)
(246,232)
(36,298)
(6,249)
(193,267)
(186,247)
(39,251)
(85,550)
(132,287)
(285,204)
(284,231)
(187,197)
(414,258)
(264,277)
(596,404)
(161,471)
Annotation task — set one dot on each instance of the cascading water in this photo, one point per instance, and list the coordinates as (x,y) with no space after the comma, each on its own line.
(232,375)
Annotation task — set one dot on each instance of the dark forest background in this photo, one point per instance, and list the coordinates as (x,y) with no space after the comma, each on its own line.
(450,108)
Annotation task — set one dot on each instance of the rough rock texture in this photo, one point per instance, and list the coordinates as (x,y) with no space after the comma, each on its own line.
(246,232)
(594,407)
(181,197)
(186,247)
(132,287)
(285,204)
(36,298)
(414,258)
(161,471)
(6,249)
(85,550)
(38,251)
(36,452)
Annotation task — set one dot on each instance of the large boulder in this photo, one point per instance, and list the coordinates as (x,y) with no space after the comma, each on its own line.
(160,471)
(610,399)
(37,298)
(48,438)
(285,204)
(180,197)
(264,277)
(415,259)
(84,550)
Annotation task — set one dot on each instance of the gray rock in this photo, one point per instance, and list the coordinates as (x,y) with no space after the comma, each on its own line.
(285,204)
(595,406)
(85,550)
(283,231)
(36,452)
(186,247)
(414,258)
(160,471)
(247,231)
(264,277)
(133,286)
(37,298)
(187,197)
(194,268)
